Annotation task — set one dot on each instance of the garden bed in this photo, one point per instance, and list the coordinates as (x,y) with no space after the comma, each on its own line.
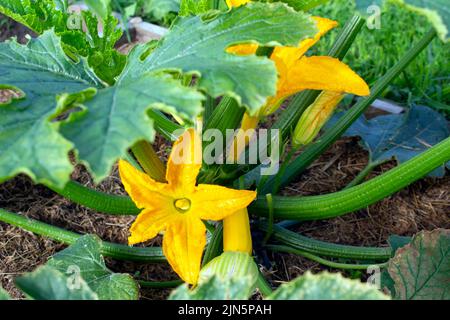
(424,205)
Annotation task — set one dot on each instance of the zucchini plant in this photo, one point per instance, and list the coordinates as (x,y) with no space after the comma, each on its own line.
(222,66)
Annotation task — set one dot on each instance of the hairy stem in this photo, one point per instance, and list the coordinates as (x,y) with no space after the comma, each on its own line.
(263,286)
(149,160)
(98,201)
(113,250)
(358,197)
(363,174)
(160,284)
(325,262)
(321,248)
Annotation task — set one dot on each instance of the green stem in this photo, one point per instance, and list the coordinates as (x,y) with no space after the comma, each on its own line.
(227,115)
(113,250)
(269,200)
(149,160)
(98,201)
(321,248)
(363,174)
(210,105)
(131,160)
(163,125)
(160,285)
(263,286)
(313,151)
(214,247)
(358,197)
(328,263)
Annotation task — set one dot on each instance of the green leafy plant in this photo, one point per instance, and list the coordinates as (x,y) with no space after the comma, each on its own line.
(217,68)
(420,269)
(78,40)
(423,82)
(78,273)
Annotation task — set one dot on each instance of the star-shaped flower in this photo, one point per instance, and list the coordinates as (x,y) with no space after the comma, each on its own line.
(179,206)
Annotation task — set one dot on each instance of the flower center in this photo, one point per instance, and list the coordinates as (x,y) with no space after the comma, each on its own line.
(182,205)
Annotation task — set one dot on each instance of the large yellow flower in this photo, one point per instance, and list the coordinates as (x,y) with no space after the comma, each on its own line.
(179,206)
(296,72)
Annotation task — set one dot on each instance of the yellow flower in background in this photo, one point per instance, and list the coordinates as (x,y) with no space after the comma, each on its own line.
(179,206)
(236,3)
(297,72)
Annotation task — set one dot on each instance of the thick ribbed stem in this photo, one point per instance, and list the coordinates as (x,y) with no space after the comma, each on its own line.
(96,200)
(113,250)
(328,263)
(358,197)
(149,160)
(321,248)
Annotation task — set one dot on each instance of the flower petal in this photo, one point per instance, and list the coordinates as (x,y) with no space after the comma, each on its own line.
(289,55)
(212,202)
(148,224)
(320,73)
(184,163)
(236,3)
(145,192)
(183,246)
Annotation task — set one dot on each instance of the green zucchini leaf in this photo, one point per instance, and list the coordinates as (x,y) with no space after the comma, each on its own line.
(29,139)
(116,118)
(303,5)
(44,15)
(395,242)
(47,283)
(326,286)
(401,136)
(83,259)
(198,46)
(421,269)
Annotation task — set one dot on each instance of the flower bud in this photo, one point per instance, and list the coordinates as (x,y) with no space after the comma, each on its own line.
(315,117)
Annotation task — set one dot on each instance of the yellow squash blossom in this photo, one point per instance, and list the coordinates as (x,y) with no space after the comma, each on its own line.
(179,206)
(297,72)
(314,117)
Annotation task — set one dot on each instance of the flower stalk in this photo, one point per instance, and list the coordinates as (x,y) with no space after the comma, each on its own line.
(108,249)
(149,160)
(358,197)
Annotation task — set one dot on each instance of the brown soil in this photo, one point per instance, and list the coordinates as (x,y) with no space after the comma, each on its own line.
(422,206)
